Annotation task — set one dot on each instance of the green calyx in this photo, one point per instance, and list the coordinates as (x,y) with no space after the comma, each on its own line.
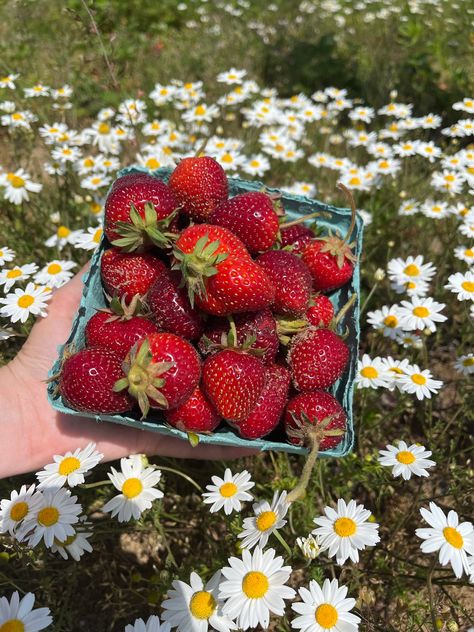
(120,310)
(142,378)
(290,327)
(144,231)
(198,265)
(229,340)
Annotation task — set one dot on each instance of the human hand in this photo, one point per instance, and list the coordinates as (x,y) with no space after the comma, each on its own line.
(32,431)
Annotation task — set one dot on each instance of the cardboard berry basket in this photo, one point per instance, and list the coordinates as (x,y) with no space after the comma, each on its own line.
(93,298)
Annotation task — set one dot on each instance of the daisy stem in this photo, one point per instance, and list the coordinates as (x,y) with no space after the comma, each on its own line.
(429,585)
(343,311)
(282,542)
(185,476)
(300,489)
(369,296)
(91,485)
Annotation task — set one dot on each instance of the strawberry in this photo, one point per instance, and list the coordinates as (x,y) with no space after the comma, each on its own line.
(87,379)
(197,414)
(330,262)
(258,327)
(233,381)
(321,311)
(317,358)
(162,371)
(270,405)
(296,236)
(200,185)
(138,212)
(307,410)
(252,217)
(125,275)
(170,307)
(291,279)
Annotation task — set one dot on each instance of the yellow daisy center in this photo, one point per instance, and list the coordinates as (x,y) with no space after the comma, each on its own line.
(228,489)
(384,164)
(449,178)
(95,208)
(48,516)
(96,180)
(345,527)
(12,625)
(17,116)
(68,465)
(390,321)
(16,181)
(418,379)
(370,372)
(412,270)
(266,520)
(397,370)
(453,537)
(88,162)
(200,110)
(97,235)
(104,128)
(19,511)
(254,163)
(63,232)
(255,585)
(355,181)
(54,268)
(469,252)
(14,274)
(405,457)
(25,301)
(227,158)
(410,285)
(152,163)
(202,604)
(468,286)
(326,616)
(468,362)
(132,487)
(421,312)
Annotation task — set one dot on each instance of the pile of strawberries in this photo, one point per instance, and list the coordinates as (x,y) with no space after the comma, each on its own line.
(218,311)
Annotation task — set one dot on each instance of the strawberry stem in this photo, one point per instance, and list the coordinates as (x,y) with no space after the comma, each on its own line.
(300,490)
(352,203)
(300,220)
(343,311)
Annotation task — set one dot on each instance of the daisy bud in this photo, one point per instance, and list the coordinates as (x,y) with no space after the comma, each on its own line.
(452,626)
(379,275)
(390,244)
(439,624)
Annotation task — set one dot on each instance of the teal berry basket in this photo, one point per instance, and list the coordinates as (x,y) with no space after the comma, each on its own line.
(295,206)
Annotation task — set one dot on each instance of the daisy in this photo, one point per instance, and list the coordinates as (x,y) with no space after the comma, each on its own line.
(74,545)
(428,150)
(302,188)
(388,166)
(430,121)
(465,364)
(467,227)
(90,239)
(17,185)
(409,207)
(462,285)
(15,120)
(254,587)
(385,319)
(460,252)
(268,518)
(18,614)
(8,81)
(69,468)
(466,105)
(362,113)
(406,460)
(421,313)
(371,373)
(66,154)
(55,273)
(162,94)
(406,148)
(201,113)
(194,607)
(61,237)
(37,91)
(325,608)
(51,133)
(95,181)
(228,492)
(137,487)
(256,165)
(6,255)
(412,268)
(454,541)
(20,507)
(18,305)
(152,624)
(309,546)
(8,278)
(62,93)
(52,518)
(231,76)
(346,531)
(419,382)
(449,181)
(231,160)
(132,112)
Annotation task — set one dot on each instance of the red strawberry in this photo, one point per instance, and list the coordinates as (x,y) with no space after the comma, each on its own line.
(321,311)
(125,275)
(310,409)
(258,325)
(87,379)
(291,279)
(270,405)
(317,358)
(197,414)
(161,372)
(170,307)
(138,211)
(228,243)
(252,217)
(296,236)
(330,262)
(233,382)
(200,185)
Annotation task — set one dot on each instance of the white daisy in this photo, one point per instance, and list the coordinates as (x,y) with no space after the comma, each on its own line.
(201,113)
(409,269)
(6,255)
(254,587)
(74,545)
(17,185)
(462,285)
(409,207)
(69,468)
(18,305)
(56,273)
(256,165)
(194,607)
(231,76)
(385,319)
(8,81)
(228,492)
(19,507)
(419,382)
(61,237)
(309,546)
(90,239)
(453,540)
(346,531)
(435,209)
(268,518)
(152,624)
(409,340)
(395,368)
(371,373)
(96,181)
(137,487)
(325,609)
(8,278)
(37,91)
(406,460)
(415,287)
(462,253)
(421,313)
(467,227)
(466,105)
(18,614)
(465,364)
(449,181)
(428,150)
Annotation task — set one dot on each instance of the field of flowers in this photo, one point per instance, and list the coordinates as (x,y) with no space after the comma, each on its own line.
(376,95)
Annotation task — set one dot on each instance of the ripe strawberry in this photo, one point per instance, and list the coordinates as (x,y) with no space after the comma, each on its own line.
(330,262)
(200,185)
(317,358)
(233,382)
(138,211)
(270,405)
(111,332)
(87,379)
(321,311)
(310,409)
(259,326)
(197,414)
(296,236)
(162,371)
(170,307)
(125,275)
(252,217)
(291,279)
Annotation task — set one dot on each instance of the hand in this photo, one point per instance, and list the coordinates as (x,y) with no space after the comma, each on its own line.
(32,431)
